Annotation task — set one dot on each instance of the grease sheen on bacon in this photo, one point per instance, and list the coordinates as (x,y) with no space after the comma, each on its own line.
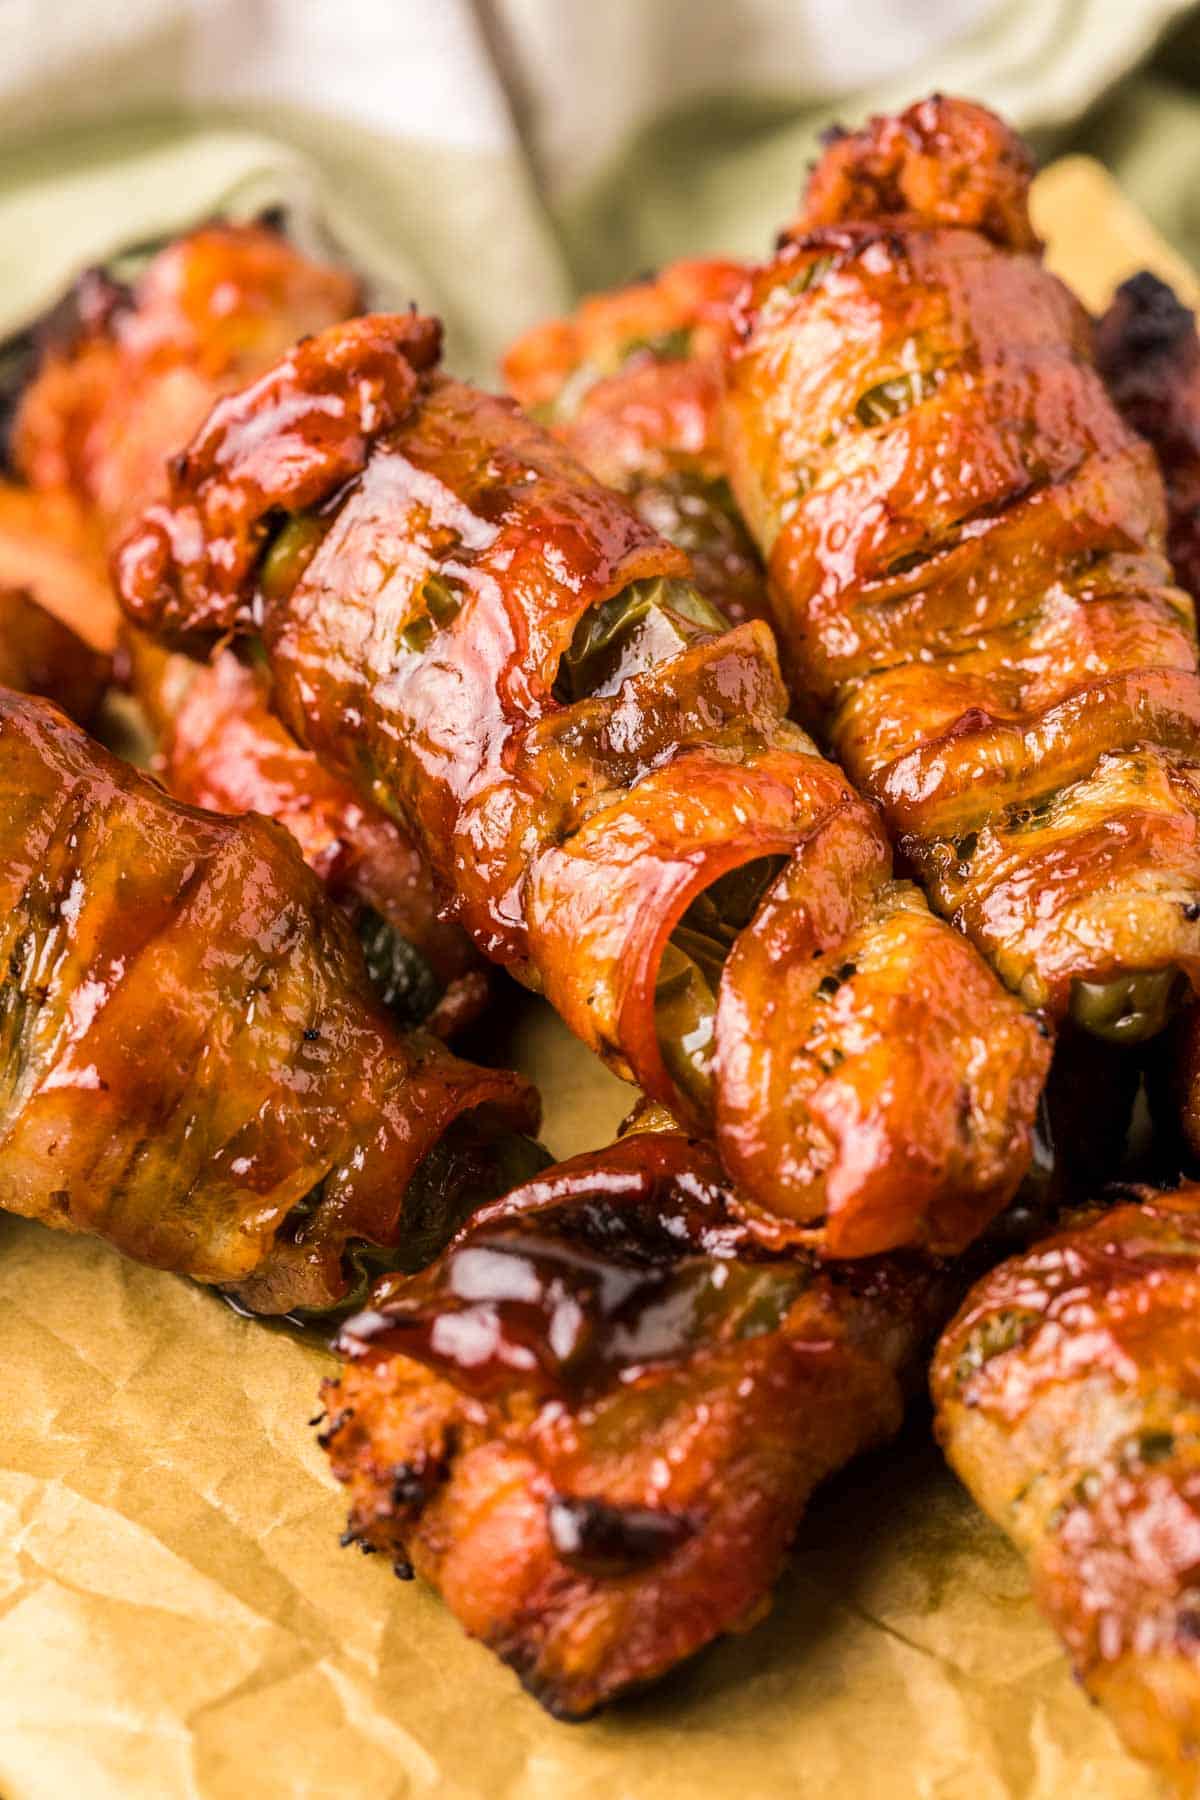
(1068,1396)
(966,555)
(632,382)
(496,649)
(125,375)
(594,1425)
(192,1064)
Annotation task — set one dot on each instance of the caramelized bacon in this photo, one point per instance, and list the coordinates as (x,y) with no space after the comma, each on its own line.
(632,383)
(126,376)
(966,554)
(595,1423)
(220,746)
(497,650)
(192,1064)
(1068,1394)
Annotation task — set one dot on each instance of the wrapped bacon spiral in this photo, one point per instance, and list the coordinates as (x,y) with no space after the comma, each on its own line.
(126,374)
(497,650)
(1069,1402)
(192,1064)
(966,556)
(632,383)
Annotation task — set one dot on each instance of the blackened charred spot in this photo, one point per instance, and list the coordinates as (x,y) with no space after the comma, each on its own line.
(416,1481)
(326,1437)
(603,1540)
(1154,320)
(352,1537)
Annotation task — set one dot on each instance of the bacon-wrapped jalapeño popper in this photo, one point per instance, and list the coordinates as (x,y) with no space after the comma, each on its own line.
(1068,1396)
(595,1423)
(966,555)
(192,1063)
(632,382)
(124,375)
(498,650)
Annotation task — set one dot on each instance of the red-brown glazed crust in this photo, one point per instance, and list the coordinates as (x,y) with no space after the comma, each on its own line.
(41,655)
(284,442)
(844,1124)
(125,378)
(221,747)
(126,375)
(965,546)
(632,383)
(572,837)
(1068,1394)
(942,162)
(190,1046)
(598,1477)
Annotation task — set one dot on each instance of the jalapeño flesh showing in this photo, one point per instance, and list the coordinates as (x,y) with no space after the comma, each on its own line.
(496,650)
(966,546)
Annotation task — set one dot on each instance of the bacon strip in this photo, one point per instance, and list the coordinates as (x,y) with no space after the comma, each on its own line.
(125,376)
(966,554)
(594,1425)
(467,575)
(192,1065)
(1069,1403)
(631,382)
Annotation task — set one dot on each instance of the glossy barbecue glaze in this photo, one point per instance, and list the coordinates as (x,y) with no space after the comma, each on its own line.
(125,374)
(496,649)
(192,1064)
(632,382)
(1068,1394)
(220,746)
(125,377)
(595,1423)
(966,553)
(41,655)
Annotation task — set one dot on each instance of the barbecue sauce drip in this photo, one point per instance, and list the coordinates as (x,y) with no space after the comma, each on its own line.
(600,1287)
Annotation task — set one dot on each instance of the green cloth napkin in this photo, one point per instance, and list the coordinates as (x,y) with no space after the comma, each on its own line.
(491,159)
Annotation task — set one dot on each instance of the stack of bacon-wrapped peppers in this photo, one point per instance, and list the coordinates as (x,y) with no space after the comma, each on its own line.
(503,684)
